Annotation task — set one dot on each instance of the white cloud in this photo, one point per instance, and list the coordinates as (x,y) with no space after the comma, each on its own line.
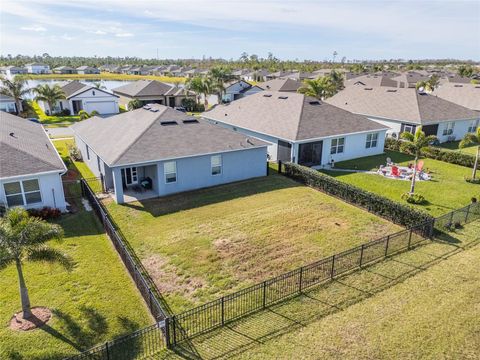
(67,37)
(37,28)
(98,32)
(123,34)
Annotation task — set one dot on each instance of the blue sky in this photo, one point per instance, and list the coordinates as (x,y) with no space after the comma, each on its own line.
(300,29)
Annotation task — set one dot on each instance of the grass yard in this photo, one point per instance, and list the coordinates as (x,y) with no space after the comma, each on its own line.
(53,120)
(472,150)
(446,191)
(105,76)
(200,245)
(95,302)
(421,304)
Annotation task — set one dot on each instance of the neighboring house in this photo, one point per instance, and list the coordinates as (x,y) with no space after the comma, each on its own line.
(467,95)
(87,70)
(411,78)
(156,150)
(238,90)
(84,97)
(301,129)
(30,168)
(37,68)
(373,80)
(11,71)
(278,75)
(7,104)
(256,75)
(282,85)
(64,70)
(405,109)
(151,92)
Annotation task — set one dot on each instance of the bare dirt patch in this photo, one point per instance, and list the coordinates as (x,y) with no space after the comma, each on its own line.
(40,316)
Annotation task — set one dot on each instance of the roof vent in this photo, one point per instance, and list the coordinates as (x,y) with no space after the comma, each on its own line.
(283,97)
(154,110)
(12,134)
(368,89)
(146,107)
(391,90)
(190,121)
(314,102)
(250,141)
(168,123)
(267,95)
(477,87)
(458,85)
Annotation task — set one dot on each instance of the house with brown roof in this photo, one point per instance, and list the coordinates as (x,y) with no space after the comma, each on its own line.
(79,96)
(151,92)
(30,168)
(301,129)
(404,109)
(156,150)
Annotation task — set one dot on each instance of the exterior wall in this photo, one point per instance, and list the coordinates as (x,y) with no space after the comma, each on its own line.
(8,106)
(94,161)
(395,126)
(355,147)
(51,190)
(460,129)
(88,97)
(195,172)
(38,69)
(271,149)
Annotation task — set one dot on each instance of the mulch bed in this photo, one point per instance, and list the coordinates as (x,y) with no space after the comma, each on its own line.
(40,316)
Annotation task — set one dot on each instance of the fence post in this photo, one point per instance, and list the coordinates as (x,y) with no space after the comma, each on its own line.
(468,213)
(333,267)
(174,330)
(279,166)
(361,255)
(409,239)
(167,333)
(264,294)
(268,169)
(386,246)
(106,348)
(301,280)
(223,310)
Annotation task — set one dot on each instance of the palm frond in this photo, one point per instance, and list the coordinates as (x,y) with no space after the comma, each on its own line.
(48,254)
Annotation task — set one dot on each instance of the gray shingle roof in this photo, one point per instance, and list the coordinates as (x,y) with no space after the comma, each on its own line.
(290,116)
(143,88)
(467,95)
(399,104)
(287,85)
(72,87)
(25,148)
(139,136)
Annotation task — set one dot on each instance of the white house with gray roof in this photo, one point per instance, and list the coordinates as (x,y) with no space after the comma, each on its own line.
(84,97)
(30,168)
(301,129)
(404,109)
(156,150)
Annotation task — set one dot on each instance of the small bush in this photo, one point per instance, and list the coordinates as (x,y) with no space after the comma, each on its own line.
(189,104)
(413,198)
(472,181)
(392,144)
(74,152)
(45,213)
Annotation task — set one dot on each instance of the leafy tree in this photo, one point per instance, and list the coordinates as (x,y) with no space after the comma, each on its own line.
(99,85)
(23,238)
(429,85)
(470,140)
(337,80)
(465,71)
(49,94)
(201,86)
(416,142)
(134,104)
(320,88)
(219,77)
(15,88)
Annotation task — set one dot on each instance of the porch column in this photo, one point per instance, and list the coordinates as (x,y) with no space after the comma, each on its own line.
(118,185)
(294,154)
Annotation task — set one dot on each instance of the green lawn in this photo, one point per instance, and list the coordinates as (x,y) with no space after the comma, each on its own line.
(53,120)
(200,245)
(421,304)
(95,302)
(472,150)
(446,191)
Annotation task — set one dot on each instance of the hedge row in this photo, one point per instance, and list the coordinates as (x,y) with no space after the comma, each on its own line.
(452,157)
(394,211)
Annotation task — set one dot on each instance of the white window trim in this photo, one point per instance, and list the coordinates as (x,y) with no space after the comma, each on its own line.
(410,128)
(23,192)
(212,166)
(165,173)
(473,126)
(448,128)
(373,138)
(336,146)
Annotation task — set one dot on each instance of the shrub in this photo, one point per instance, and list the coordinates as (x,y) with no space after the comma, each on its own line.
(74,152)
(200,107)
(394,211)
(392,144)
(189,104)
(134,104)
(45,213)
(472,181)
(94,113)
(83,115)
(413,198)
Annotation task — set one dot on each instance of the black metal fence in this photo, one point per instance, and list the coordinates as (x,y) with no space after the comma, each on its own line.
(175,329)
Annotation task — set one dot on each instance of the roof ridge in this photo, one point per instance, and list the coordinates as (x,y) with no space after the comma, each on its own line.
(418,106)
(140,135)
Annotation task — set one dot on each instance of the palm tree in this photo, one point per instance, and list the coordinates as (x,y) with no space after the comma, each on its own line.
(201,86)
(219,76)
(320,88)
(49,94)
(469,140)
(15,88)
(417,141)
(337,79)
(429,85)
(99,85)
(23,238)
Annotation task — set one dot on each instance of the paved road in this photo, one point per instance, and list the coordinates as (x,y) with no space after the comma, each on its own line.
(60,132)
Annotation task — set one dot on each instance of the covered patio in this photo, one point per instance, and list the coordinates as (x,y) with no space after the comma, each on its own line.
(134,183)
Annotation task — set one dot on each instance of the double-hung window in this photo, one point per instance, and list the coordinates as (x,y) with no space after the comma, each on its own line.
(22,193)
(337,146)
(372,140)
(409,128)
(170,171)
(216,164)
(473,126)
(448,129)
